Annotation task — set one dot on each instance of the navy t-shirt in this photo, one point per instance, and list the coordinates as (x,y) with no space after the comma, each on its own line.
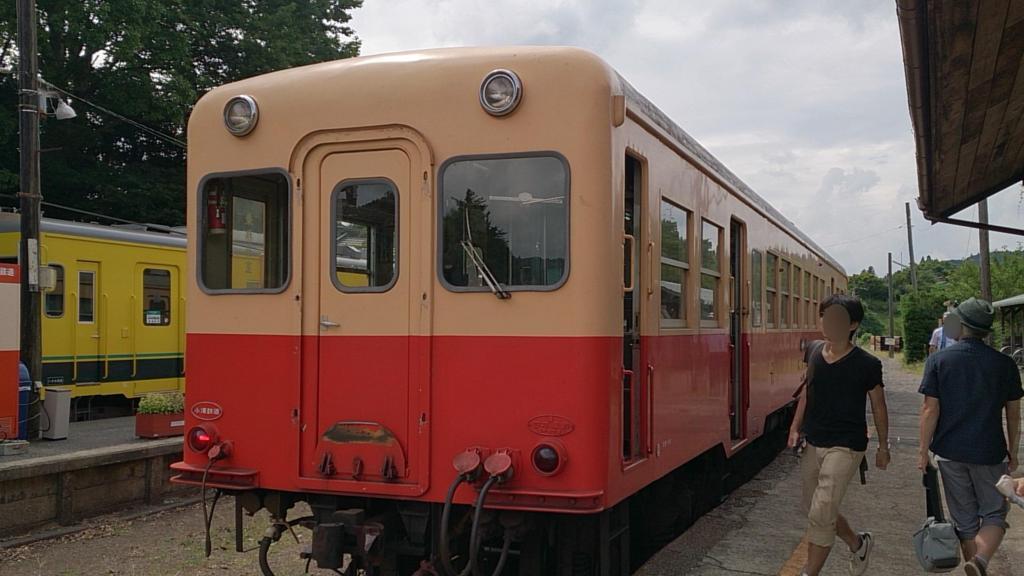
(973,383)
(837,396)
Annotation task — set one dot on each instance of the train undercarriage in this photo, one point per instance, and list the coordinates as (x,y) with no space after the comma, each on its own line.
(379,537)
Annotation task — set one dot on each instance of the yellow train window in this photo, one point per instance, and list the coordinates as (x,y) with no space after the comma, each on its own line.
(156,297)
(53,304)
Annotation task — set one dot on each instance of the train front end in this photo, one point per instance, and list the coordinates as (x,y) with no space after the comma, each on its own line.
(404,306)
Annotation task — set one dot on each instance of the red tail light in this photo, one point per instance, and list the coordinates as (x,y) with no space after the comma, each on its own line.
(200,439)
(548,459)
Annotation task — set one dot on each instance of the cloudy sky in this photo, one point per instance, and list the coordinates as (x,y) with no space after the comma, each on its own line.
(804,99)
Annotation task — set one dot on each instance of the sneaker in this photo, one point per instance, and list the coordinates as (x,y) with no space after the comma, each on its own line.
(975,568)
(859,560)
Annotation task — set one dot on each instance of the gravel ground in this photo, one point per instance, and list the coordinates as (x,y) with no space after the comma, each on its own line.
(167,543)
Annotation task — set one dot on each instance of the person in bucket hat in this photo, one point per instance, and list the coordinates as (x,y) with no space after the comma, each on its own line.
(966,388)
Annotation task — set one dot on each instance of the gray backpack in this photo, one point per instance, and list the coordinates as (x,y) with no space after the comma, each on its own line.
(936,543)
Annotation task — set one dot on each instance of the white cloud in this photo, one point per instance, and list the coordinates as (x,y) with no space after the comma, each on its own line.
(803,99)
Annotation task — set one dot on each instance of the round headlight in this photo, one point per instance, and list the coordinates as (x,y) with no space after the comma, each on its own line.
(241,115)
(501,92)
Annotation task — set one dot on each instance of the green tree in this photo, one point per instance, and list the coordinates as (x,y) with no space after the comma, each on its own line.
(919,312)
(149,60)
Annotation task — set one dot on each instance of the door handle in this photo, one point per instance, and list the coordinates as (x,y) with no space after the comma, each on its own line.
(96,336)
(325,323)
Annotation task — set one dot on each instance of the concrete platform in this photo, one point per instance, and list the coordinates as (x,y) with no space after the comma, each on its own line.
(100,467)
(759,529)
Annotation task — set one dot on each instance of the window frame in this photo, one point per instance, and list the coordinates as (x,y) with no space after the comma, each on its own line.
(757,288)
(684,322)
(717,274)
(785,290)
(808,314)
(287,240)
(772,320)
(439,209)
(333,262)
(63,293)
(92,297)
(170,290)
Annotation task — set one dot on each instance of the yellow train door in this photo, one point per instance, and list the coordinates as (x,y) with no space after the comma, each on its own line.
(157,315)
(88,324)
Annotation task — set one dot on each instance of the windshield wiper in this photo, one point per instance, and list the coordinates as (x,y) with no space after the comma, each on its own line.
(474,256)
(484,271)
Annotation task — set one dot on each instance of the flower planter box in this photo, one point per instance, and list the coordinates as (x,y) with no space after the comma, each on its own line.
(159,425)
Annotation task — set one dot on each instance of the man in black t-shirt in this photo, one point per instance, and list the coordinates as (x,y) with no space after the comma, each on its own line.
(831,415)
(967,387)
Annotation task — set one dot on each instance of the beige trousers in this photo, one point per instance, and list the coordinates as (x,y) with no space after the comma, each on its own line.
(826,474)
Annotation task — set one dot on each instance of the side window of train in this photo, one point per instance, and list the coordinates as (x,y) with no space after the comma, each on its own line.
(675,264)
(808,312)
(245,229)
(785,285)
(156,297)
(86,285)
(506,218)
(53,302)
(771,300)
(365,250)
(710,273)
(756,288)
(797,303)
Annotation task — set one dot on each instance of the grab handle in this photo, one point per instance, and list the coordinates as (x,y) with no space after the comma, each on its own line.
(628,239)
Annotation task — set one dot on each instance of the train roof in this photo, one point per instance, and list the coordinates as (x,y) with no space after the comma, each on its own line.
(138,234)
(638,104)
(641,104)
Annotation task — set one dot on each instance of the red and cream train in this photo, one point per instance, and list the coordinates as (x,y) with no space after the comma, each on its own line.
(503,298)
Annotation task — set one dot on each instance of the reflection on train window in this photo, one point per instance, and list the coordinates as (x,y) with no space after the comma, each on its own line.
(797,274)
(710,273)
(785,284)
(756,294)
(156,297)
(365,252)
(771,290)
(675,258)
(244,240)
(506,219)
(53,303)
(86,282)
(809,312)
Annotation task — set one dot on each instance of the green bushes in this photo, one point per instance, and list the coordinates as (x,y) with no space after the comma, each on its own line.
(162,403)
(920,312)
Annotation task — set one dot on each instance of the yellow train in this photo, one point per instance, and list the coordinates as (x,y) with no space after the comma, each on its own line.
(113,322)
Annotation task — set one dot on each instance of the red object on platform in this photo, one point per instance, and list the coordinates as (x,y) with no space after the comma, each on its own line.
(10,323)
(159,425)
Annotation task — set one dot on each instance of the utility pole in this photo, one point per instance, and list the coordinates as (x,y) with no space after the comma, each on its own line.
(910,241)
(892,324)
(984,260)
(28,117)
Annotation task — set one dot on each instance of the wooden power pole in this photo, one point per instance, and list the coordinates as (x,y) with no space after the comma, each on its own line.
(30,199)
(910,241)
(892,323)
(984,259)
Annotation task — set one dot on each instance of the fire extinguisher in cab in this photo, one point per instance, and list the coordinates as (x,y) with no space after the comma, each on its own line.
(215,208)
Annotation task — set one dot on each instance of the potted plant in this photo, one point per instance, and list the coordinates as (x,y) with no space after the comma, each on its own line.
(160,415)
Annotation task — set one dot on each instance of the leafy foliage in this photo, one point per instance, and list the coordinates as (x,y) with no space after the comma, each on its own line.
(162,403)
(149,60)
(938,282)
(920,312)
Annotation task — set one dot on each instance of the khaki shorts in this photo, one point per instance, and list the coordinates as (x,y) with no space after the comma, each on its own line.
(826,474)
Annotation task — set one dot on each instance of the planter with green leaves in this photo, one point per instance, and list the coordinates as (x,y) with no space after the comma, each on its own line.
(160,415)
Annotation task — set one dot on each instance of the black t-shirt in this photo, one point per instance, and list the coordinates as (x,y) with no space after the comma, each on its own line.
(973,383)
(837,396)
